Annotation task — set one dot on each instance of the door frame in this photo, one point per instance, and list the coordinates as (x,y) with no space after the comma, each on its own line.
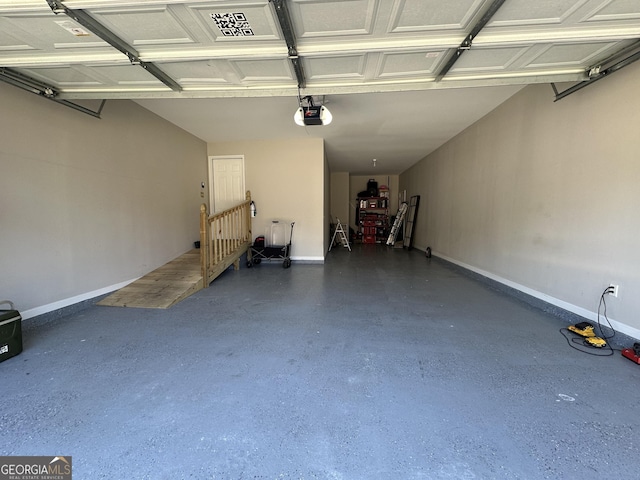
(212,159)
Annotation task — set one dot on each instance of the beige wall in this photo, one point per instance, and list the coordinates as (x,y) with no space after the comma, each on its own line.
(87,204)
(326,203)
(544,196)
(286,180)
(340,197)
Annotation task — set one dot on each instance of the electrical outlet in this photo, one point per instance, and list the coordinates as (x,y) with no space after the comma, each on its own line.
(613,290)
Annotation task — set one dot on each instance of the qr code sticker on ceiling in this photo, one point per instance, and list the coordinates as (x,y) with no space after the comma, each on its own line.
(232,24)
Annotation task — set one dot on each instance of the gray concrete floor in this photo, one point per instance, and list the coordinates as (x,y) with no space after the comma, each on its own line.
(381,364)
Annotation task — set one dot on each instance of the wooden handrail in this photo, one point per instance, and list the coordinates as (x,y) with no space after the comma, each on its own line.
(224,237)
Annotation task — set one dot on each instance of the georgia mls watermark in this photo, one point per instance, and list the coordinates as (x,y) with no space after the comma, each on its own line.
(35,468)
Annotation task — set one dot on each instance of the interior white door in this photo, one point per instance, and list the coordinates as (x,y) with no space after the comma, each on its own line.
(226,181)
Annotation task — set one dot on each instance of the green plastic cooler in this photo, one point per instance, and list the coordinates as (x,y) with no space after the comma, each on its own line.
(10,332)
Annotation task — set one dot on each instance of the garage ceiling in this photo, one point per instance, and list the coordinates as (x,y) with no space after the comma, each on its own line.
(401,77)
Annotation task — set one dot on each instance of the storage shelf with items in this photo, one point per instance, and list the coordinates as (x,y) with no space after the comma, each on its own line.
(373,219)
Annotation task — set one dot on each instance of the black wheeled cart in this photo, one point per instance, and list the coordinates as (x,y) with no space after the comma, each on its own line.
(269,248)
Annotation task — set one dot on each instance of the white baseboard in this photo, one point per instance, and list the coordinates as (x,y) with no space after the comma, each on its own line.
(307,259)
(583,312)
(51,307)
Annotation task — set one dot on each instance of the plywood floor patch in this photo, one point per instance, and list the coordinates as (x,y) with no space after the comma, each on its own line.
(163,287)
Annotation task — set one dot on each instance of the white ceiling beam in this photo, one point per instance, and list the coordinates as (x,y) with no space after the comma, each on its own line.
(65,60)
(568,36)
(26,58)
(325,89)
(32,5)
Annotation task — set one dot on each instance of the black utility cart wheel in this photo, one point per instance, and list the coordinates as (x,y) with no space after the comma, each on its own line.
(427,252)
(256,261)
(249,264)
(286,263)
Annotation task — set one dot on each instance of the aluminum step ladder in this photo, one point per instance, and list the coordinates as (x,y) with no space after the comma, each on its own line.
(397,224)
(343,236)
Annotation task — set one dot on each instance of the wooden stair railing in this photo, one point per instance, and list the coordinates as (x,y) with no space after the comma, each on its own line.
(224,238)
